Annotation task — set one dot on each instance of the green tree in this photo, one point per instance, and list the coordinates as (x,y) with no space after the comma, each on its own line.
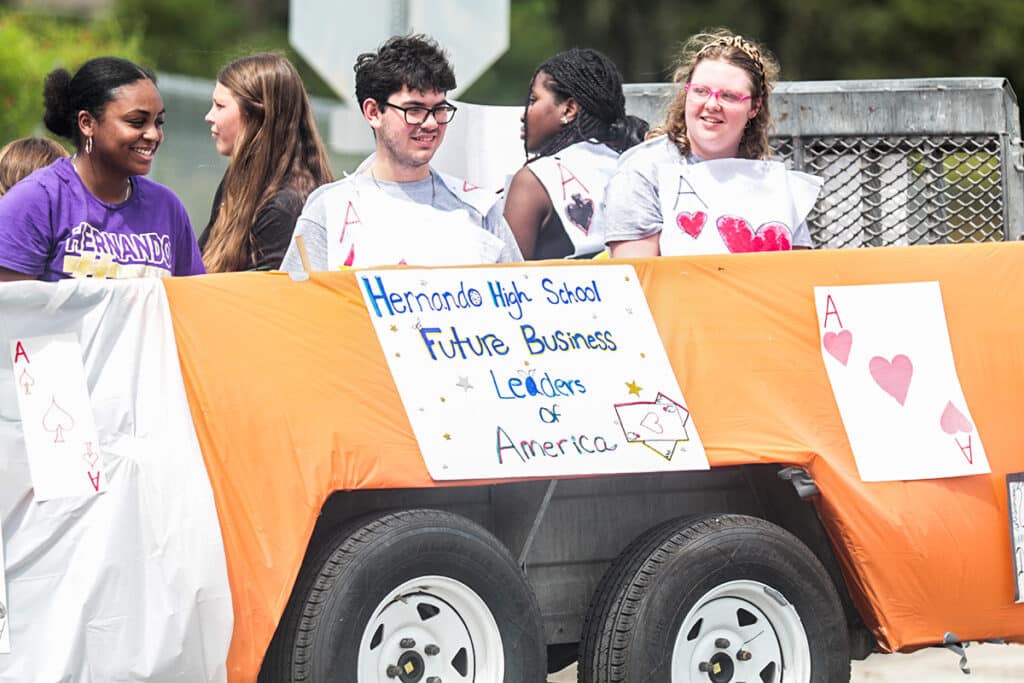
(33,45)
(822,40)
(535,36)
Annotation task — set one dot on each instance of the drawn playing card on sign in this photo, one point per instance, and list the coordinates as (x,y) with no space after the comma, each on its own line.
(1015,498)
(659,424)
(5,636)
(886,349)
(60,433)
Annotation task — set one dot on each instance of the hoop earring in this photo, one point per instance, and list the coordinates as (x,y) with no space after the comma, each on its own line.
(88,145)
(565,120)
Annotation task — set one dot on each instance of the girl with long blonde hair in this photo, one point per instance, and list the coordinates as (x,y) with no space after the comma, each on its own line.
(260,118)
(702,182)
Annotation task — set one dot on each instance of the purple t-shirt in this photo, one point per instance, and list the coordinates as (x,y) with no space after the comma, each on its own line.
(52,227)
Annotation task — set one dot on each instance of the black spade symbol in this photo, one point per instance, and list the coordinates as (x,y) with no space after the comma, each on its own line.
(581,211)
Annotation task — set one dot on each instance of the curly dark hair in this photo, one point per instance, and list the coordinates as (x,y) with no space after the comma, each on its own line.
(594,81)
(92,86)
(413,61)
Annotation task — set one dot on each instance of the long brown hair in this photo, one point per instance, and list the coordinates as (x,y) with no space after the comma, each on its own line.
(725,46)
(277,148)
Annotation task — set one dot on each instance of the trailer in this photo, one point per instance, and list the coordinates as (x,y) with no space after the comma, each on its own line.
(262,500)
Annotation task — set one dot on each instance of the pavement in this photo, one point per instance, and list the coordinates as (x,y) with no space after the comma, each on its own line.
(989,663)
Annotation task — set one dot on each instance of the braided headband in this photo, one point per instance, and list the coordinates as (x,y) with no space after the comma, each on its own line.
(741,44)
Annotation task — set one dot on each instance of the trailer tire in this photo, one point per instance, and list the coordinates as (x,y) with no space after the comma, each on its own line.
(724,597)
(424,592)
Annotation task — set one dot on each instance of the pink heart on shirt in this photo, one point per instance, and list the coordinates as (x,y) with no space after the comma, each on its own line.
(740,238)
(691,223)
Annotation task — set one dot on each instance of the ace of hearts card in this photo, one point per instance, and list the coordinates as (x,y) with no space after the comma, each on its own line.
(887,353)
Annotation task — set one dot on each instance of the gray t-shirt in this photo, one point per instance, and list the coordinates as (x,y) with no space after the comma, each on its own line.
(431,191)
(632,205)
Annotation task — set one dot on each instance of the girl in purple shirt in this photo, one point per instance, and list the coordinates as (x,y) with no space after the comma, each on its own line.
(95,215)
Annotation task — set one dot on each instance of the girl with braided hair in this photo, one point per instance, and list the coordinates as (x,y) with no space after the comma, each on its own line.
(702,182)
(574,129)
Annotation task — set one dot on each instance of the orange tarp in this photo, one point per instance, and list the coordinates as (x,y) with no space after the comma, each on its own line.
(293,400)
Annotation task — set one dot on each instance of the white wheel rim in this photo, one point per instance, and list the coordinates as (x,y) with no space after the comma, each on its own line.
(431,626)
(742,631)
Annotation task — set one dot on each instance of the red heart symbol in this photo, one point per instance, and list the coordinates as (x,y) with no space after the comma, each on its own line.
(953,421)
(740,238)
(893,376)
(691,223)
(838,344)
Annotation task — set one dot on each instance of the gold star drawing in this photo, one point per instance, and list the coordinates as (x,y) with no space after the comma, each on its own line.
(397,354)
(443,399)
(447,437)
(526,362)
(643,355)
(634,388)
(394,328)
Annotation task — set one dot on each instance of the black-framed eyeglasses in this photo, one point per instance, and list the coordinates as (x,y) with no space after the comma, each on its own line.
(417,116)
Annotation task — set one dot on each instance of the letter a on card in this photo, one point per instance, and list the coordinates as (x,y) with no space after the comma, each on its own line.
(64,458)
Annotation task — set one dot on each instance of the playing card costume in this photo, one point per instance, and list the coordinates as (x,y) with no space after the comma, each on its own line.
(575,179)
(707,207)
(360,221)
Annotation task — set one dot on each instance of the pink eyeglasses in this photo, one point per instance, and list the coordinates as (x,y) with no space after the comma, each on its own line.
(703,93)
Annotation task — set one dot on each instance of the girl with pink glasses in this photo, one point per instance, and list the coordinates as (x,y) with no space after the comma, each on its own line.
(702,182)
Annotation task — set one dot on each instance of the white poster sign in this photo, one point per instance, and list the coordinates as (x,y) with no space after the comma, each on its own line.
(887,352)
(5,632)
(57,421)
(531,372)
(1015,491)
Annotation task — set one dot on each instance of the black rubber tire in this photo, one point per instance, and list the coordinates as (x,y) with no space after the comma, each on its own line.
(640,605)
(359,566)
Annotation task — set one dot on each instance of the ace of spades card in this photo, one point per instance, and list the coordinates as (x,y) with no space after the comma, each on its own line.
(887,353)
(60,433)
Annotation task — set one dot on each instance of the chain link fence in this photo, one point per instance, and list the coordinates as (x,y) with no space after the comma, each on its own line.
(921,161)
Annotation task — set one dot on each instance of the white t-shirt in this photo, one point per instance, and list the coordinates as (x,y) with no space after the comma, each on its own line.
(707,207)
(360,222)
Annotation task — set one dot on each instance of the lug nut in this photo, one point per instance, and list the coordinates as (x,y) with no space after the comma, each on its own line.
(704,667)
(722,643)
(743,655)
(393,671)
(434,679)
(407,643)
(432,650)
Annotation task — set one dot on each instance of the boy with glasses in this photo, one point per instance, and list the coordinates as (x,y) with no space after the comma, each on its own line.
(397,209)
